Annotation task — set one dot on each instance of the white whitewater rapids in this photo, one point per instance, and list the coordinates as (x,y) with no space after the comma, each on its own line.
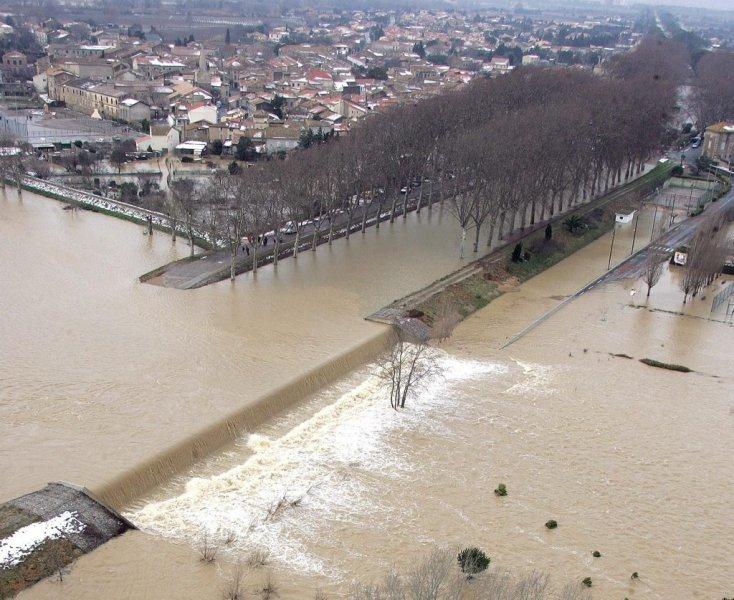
(315,463)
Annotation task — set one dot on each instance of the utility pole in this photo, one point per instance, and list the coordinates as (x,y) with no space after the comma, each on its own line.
(634,233)
(614,231)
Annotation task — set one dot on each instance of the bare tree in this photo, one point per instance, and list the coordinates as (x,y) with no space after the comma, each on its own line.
(234,585)
(407,367)
(653,266)
(439,578)
(206,548)
(186,203)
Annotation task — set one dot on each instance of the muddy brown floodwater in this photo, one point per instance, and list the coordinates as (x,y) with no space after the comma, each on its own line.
(631,461)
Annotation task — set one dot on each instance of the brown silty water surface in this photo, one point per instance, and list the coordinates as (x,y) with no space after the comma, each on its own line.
(630,460)
(109,383)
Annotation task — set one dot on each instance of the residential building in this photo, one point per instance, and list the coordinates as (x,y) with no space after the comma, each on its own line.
(718,141)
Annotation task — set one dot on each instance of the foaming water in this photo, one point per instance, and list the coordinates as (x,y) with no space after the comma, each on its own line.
(324,465)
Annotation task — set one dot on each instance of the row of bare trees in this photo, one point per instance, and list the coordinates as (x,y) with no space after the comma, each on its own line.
(713,93)
(504,153)
(706,254)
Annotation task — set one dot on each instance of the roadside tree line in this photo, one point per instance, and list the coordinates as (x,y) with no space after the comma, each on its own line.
(501,153)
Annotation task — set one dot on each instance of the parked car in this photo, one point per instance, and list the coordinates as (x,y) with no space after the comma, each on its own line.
(289,228)
(696,142)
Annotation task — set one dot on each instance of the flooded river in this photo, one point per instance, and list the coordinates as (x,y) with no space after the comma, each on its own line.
(99,373)
(631,461)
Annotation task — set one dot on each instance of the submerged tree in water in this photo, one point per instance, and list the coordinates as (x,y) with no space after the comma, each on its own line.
(406,368)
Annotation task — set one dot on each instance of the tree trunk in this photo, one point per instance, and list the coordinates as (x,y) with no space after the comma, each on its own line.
(232,264)
(296,242)
(490,237)
(394,206)
(191,239)
(420,198)
(349,223)
(476,239)
(405,198)
(463,241)
(364,217)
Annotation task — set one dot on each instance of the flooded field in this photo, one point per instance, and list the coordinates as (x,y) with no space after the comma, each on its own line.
(631,461)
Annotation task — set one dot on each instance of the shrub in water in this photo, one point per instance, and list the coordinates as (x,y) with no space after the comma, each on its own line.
(552,524)
(473,560)
(501,490)
(596,554)
(587,581)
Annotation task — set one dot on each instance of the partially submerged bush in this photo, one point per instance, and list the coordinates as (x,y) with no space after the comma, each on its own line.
(661,365)
(501,490)
(586,581)
(551,524)
(473,560)
(596,554)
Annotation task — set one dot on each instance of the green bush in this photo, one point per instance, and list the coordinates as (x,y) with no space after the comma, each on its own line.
(473,560)
(551,524)
(586,581)
(517,253)
(501,490)
(676,171)
(596,554)
(575,224)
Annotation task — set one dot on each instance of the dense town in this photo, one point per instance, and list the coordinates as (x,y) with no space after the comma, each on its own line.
(249,87)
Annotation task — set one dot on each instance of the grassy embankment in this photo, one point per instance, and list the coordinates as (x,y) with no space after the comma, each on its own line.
(499,272)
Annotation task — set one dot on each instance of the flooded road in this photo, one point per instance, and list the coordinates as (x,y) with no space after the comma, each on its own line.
(630,460)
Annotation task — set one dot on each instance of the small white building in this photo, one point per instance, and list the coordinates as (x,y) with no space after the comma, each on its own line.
(625,218)
(192,148)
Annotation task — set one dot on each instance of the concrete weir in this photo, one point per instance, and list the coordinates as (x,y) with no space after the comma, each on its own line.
(44,531)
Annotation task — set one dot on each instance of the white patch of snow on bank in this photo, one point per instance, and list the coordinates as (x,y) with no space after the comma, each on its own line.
(15,547)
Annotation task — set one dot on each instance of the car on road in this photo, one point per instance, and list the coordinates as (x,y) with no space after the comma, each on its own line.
(696,142)
(289,228)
